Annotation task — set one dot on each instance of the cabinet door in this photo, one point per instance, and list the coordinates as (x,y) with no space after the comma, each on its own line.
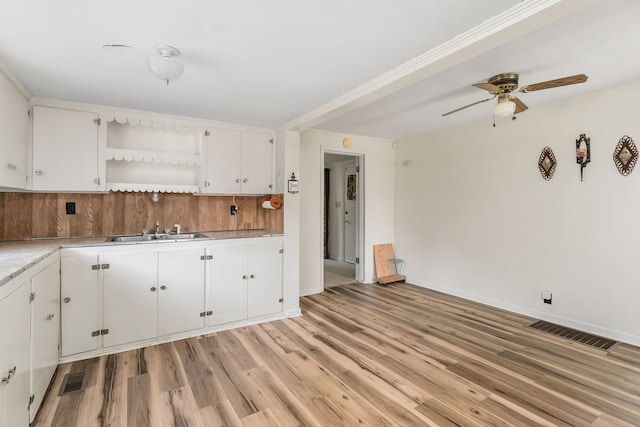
(223,162)
(79,301)
(180,291)
(130,296)
(265,278)
(65,150)
(257,162)
(14,357)
(45,332)
(227,284)
(14,135)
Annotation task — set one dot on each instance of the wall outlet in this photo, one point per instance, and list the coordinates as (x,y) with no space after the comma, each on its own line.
(234,210)
(546,297)
(70,208)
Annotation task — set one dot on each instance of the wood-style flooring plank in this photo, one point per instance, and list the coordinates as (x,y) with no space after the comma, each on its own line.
(361,355)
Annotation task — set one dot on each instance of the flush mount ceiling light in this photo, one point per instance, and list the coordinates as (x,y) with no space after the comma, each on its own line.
(166,65)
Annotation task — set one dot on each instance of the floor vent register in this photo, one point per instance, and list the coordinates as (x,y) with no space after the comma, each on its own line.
(574,335)
(73,382)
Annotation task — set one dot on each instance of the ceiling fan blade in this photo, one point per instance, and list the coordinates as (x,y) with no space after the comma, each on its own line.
(467,106)
(564,81)
(520,106)
(487,86)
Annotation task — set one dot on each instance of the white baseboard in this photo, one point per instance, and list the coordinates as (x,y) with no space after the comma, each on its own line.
(311,291)
(570,323)
(294,312)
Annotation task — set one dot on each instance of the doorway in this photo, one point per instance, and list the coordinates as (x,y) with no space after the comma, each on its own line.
(342,220)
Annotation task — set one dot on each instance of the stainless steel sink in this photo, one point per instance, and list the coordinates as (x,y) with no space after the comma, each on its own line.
(137,238)
(152,237)
(182,236)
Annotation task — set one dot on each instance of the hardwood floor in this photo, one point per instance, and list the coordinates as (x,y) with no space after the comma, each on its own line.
(361,355)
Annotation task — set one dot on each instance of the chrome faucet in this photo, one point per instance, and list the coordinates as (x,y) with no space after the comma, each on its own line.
(157,227)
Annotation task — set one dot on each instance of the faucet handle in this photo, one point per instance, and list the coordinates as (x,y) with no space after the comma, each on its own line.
(178,228)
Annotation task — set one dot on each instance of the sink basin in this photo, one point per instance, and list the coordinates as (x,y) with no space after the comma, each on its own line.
(153,237)
(185,236)
(137,238)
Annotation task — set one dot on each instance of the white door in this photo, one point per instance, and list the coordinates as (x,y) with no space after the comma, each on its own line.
(223,150)
(130,296)
(180,291)
(14,135)
(227,284)
(264,268)
(65,150)
(45,331)
(14,357)
(351,194)
(257,159)
(79,301)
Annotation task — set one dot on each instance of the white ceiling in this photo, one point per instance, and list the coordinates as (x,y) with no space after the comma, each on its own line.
(312,63)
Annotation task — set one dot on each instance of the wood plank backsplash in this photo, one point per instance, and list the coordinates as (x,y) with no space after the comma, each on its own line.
(31,215)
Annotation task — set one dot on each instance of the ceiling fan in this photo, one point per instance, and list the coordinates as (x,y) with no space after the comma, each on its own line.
(503,85)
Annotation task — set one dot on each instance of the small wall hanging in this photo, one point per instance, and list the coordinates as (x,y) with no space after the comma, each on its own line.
(293,184)
(625,155)
(547,163)
(583,152)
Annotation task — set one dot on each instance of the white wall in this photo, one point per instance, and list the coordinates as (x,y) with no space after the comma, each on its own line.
(473,216)
(378,199)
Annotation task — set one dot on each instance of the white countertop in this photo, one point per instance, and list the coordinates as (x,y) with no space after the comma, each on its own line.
(18,255)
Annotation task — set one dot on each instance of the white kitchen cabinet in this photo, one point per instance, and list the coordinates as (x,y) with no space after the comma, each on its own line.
(264,263)
(45,332)
(65,150)
(14,356)
(80,317)
(238,162)
(130,295)
(14,135)
(244,280)
(227,284)
(180,290)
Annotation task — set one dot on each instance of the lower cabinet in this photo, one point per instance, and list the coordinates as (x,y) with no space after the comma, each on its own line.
(29,331)
(244,280)
(117,295)
(14,357)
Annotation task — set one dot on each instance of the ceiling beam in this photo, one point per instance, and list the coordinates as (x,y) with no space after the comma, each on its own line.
(525,17)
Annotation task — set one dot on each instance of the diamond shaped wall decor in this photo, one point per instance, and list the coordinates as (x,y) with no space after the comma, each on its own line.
(625,155)
(547,163)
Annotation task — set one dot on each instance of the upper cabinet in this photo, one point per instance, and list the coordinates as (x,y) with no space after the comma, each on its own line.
(65,150)
(147,157)
(238,162)
(14,135)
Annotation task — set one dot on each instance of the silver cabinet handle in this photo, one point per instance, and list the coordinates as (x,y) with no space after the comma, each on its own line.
(5,380)
(50,317)
(163,287)
(12,166)
(245,180)
(252,277)
(244,277)
(12,371)
(153,289)
(237,180)
(37,172)
(66,300)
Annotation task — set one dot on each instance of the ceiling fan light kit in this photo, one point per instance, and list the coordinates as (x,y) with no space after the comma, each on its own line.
(166,65)
(501,86)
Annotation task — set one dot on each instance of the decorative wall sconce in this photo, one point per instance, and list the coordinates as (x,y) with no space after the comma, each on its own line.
(547,163)
(583,152)
(625,155)
(294,184)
